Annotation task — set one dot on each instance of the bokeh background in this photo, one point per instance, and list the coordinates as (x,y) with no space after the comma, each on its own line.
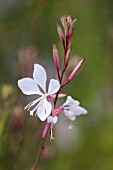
(27,30)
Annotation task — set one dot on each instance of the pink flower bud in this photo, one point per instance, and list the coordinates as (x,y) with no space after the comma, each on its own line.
(59,95)
(76,70)
(59,110)
(56,58)
(67,56)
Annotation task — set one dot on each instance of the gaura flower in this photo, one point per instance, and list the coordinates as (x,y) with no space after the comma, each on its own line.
(37,85)
(72,108)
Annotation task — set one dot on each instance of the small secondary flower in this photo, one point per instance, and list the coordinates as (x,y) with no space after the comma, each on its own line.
(37,85)
(72,108)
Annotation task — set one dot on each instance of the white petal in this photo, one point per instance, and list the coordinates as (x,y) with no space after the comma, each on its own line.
(72,118)
(48,106)
(28,86)
(69,115)
(55,119)
(50,119)
(54,86)
(39,76)
(44,111)
(79,110)
(70,101)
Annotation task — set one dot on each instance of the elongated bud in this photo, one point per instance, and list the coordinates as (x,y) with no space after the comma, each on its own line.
(59,110)
(67,57)
(73,25)
(63,21)
(55,56)
(76,70)
(61,34)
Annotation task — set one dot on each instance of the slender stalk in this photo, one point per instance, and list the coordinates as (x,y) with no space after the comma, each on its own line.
(40,153)
(66,42)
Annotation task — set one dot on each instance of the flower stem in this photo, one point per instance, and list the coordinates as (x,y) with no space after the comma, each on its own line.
(40,153)
(66,41)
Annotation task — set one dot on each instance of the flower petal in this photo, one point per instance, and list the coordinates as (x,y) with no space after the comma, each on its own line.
(55,119)
(39,76)
(44,111)
(79,110)
(28,86)
(69,115)
(70,102)
(52,119)
(72,118)
(54,86)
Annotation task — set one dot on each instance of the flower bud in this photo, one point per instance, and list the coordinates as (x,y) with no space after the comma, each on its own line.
(76,70)
(67,57)
(58,111)
(73,25)
(63,21)
(55,56)
(61,34)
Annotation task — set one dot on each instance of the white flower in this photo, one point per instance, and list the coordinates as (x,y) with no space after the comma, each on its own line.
(72,108)
(52,119)
(37,85)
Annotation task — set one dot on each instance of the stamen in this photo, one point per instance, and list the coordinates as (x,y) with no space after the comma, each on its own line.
(34,102)
(51,131)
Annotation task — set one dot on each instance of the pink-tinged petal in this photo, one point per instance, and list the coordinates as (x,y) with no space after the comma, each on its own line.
(54,86)
(60,95)
(39,76)
(44,111)
(28,86)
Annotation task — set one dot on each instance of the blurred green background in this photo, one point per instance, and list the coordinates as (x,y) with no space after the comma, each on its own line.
(27,30)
